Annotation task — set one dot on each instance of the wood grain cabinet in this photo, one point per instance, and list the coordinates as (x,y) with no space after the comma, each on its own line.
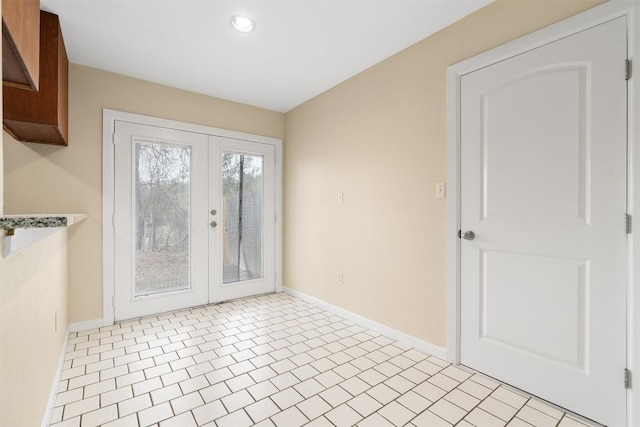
(21,43)
(42,116)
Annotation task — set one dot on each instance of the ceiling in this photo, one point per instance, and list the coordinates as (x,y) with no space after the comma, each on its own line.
(299,49)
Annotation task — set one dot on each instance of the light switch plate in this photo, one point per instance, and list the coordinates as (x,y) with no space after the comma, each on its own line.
(441,190)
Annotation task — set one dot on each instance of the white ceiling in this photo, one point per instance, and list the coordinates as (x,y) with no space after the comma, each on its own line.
(300,48)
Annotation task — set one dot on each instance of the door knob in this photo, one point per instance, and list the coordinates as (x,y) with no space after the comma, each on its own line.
(468,235)
(214,224)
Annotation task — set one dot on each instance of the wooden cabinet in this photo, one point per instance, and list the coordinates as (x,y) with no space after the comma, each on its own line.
(42,116)
(21,43)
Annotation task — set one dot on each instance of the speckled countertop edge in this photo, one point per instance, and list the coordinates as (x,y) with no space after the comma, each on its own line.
(39,221)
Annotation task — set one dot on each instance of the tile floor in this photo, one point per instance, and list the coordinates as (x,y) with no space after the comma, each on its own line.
(273,361)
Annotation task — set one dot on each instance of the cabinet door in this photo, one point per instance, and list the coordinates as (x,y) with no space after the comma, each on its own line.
(42,116)
(21,43)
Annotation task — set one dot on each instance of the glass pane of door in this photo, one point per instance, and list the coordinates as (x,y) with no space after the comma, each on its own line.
(242,184)
(161,217)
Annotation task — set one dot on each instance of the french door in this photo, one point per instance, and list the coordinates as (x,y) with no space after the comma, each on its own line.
(194,219)
(242,218)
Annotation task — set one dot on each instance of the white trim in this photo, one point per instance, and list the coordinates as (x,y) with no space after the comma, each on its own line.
(580,22)
(113,115)
(598,15)
(109,118)
(453,217)
(633,331)
(108,210)
(365,322)
(56,379)
(278,207)
(86,325)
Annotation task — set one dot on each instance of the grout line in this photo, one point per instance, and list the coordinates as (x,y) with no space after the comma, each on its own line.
(283,315)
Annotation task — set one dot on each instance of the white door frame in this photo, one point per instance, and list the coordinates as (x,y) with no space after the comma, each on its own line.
(109,117)
(577,23)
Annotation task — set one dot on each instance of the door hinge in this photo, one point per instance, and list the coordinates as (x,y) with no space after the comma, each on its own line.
(113,302)
(113,220)
(627,379)
(627,69)
(113,138)
(628,223)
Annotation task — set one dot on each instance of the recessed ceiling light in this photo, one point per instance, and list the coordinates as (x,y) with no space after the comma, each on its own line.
(243,24)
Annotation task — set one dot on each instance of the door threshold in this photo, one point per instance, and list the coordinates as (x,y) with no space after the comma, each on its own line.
(164,314)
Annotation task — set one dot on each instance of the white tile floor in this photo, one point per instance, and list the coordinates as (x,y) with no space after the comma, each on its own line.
(273,361)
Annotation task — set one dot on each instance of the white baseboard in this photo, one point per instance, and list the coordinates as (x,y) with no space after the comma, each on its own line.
(86,325)
(414,342)
(54,387)
(73,327)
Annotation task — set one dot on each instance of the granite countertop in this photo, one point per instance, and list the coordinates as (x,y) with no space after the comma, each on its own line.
(8,222)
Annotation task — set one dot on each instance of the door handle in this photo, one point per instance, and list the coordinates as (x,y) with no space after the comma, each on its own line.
(214,224)
(468,235)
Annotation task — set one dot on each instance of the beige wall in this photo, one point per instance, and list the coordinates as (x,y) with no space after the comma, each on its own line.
(33,288)
(41,178)
(380,137)
(33,322)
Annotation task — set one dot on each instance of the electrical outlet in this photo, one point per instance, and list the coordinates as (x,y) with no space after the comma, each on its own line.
(340,198)
(339,279)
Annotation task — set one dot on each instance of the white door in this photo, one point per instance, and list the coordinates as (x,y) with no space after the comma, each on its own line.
(187,205)
(242,202)
(543,189)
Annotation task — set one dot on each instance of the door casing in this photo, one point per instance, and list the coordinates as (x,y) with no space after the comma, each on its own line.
(109,117)
(575,24)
